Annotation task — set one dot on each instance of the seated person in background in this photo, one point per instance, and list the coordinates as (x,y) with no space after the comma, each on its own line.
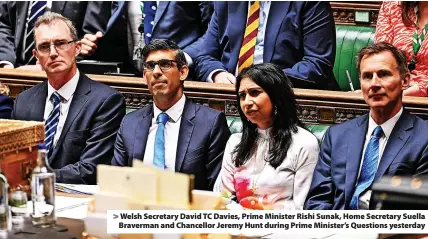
(387,141)
(397,24)
(17,24)
(274,157)
(299,37)
(174,133)
(6,103)
(81,116)
(184,22)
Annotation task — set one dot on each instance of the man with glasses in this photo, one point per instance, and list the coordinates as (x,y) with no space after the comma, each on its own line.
(81,116)
(174,133)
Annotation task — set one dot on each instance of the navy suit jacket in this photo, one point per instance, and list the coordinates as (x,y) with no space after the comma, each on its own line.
(89,131)
(88,17)
(300,37)
(202,138)
(184,22)
(6,104)
(335,175)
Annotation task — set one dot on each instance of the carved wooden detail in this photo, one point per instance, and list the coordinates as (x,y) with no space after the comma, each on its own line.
(342,115)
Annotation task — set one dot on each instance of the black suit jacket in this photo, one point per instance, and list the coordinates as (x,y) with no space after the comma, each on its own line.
(336,173)
(88,17)
(202,138)
(6,104)
(89,131)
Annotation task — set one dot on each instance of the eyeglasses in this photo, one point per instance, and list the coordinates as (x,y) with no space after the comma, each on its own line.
(164,64)
(59,45)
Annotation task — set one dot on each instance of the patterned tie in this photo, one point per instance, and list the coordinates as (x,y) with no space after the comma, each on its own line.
(149,13)
(369,168)
(246,54)
(159,157)
(37,9)
(52,121)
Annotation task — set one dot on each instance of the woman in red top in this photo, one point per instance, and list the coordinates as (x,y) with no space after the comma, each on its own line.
(397,24)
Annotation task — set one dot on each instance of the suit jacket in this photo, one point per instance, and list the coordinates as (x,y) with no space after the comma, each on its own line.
(88,17)
(183,22)
(300,37)
(335,176)
(202,138)
(6,105)
(89,131)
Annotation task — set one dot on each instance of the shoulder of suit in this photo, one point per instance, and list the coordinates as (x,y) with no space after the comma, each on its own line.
(202,109)
(98,86)
(349,124)
(137,114)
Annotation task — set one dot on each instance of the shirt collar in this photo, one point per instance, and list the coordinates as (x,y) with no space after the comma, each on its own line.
(387,127)
(174,112)
(67,90)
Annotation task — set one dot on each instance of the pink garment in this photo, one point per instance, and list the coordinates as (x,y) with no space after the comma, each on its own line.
(391,29)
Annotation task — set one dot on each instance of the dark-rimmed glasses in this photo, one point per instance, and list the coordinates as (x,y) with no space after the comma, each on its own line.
(59,45)
(164,64)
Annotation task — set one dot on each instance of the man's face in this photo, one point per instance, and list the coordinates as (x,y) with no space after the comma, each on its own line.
(56,60)
(164,83)
(380,81)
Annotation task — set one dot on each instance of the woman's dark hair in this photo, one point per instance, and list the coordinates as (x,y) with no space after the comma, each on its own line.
(279,89)
(406,6)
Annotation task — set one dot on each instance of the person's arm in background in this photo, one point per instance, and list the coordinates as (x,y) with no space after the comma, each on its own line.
(384,27)
(319,45)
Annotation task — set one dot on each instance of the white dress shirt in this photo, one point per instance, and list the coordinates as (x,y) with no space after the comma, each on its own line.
(387,128)
(66,92)
(172,129)
(260,41)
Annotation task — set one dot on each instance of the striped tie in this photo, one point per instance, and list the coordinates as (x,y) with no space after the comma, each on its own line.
(37,9)
(246,54)
(369,167)
(52,121)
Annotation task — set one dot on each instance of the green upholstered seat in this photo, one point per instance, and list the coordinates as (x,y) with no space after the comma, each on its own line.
(349,41)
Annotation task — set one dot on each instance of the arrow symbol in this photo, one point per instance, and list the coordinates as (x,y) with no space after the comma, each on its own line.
(115,216)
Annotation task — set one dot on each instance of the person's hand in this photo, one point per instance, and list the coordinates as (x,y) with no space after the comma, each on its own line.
(36,67)
(224,78)
(89,43)
(6,66)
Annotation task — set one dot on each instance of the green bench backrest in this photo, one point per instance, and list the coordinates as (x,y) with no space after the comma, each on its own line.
(349,41)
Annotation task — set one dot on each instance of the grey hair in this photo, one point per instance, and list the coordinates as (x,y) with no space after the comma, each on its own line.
(50,17)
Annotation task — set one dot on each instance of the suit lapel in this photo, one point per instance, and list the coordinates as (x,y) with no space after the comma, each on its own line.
(39,99)
(237,17)
(398,138)
(80,97)
(277,12)
(58,6)
(353,157)
(186,130)
(159,12)
(142,133)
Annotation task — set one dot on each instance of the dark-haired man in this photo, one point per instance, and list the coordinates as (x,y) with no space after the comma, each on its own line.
(387,141)
(174,133)
(81,116)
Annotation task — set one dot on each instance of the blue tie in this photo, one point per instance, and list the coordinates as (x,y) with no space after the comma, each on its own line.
(37,8)
(159,157)
(369,168)
(52,121)
(149,13)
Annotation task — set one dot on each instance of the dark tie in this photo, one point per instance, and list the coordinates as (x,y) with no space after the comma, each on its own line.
(369,168)
(149,13)
(159,156)
(52,121)
(37,8)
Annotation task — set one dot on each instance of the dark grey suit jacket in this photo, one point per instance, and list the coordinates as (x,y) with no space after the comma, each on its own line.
(88,17)
(89,131)
(202,138)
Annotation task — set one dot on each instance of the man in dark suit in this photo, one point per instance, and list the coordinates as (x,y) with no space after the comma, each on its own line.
(387,141)
(183,22)
(297,36)
(81,116)
(174,133)
(88,17)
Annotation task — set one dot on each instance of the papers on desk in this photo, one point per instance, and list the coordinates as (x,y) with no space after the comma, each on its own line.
(80,189)
(72,207)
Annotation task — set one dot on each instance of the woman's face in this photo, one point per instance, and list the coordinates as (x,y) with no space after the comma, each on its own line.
(255,103)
